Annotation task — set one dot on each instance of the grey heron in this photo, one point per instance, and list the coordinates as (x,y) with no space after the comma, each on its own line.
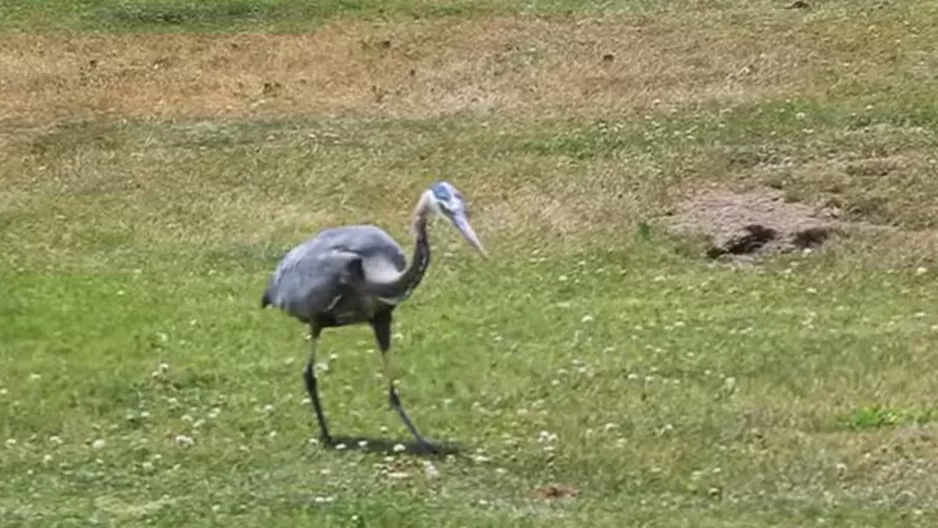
(358,274)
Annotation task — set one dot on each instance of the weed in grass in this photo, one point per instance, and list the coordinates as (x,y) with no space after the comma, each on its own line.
(875,416)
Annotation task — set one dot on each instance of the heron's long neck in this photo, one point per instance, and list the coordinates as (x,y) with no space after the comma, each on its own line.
(419,261)
(399,289)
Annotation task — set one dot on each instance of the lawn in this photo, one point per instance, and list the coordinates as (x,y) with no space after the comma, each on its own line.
(158,158)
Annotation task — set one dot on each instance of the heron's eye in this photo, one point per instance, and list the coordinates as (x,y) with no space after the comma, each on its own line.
(454,206)
(445,206)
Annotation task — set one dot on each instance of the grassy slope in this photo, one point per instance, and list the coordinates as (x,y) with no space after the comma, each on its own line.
(281,15)
(680,394)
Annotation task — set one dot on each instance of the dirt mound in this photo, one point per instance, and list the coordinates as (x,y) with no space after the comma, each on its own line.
(744,225)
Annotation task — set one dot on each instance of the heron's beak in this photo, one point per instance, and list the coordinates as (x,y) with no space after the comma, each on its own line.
(462,224)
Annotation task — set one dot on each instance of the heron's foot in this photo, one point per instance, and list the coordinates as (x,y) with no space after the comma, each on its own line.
(427,447)
(326,440)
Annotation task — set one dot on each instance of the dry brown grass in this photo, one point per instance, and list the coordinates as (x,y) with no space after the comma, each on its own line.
(432,67)
(881,174)
(509,65)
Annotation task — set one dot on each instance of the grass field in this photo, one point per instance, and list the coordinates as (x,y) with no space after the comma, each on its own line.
(158,157)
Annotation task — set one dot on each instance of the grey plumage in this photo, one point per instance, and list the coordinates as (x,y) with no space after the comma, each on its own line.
(358,274)
(315,273)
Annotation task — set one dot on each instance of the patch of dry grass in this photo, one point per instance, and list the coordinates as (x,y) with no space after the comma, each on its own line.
(876,173)
(448,66)
(250,183)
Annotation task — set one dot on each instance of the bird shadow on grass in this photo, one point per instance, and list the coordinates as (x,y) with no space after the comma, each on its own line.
(386,446)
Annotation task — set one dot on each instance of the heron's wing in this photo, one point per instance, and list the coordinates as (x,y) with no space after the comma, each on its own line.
(375,246)
(312,277)
(306,284)
(378,268)
(382,259)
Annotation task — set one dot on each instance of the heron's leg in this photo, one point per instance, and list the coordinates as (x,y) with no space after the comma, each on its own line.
(382,327)
(309,376)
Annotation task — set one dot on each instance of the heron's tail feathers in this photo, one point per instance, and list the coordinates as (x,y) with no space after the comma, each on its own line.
(265,300)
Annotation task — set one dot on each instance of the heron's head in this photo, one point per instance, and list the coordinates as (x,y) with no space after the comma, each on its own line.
(445,200)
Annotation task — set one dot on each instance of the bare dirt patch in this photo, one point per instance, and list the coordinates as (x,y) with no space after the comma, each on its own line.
(757,223)
(555,492)
(420,68)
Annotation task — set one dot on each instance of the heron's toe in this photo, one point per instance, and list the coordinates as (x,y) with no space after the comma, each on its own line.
(429,448)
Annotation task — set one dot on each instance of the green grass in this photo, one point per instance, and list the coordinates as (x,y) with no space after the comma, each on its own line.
(677,391)
(141,384)
(228,15)
(293,16)
(185,15)
(489,372)
(875,416)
